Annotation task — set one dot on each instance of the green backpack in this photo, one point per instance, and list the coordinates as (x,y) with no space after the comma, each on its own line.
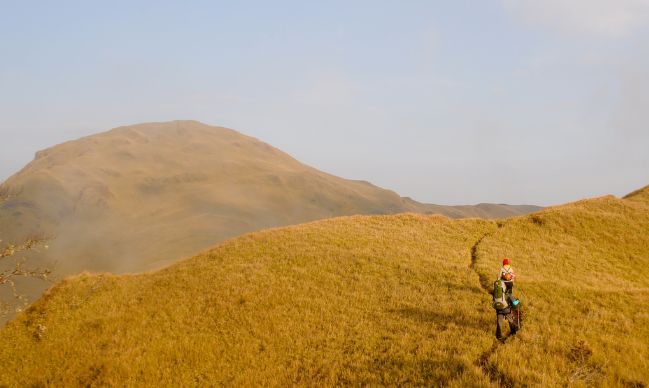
(500,299)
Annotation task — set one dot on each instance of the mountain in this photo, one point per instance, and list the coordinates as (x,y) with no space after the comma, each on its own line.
(361,300)
(139,197)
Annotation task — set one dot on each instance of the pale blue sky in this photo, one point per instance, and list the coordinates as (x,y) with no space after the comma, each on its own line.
(447,102)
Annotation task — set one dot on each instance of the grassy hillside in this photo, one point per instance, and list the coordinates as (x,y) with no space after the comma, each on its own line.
(361,300)
(584,275)
(641,195)
(351,300)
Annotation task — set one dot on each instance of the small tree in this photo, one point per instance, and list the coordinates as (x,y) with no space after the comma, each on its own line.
(10,272)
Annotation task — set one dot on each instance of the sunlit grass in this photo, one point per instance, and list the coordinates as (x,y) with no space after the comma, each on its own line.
(392,300)
(375,300)
(583,273)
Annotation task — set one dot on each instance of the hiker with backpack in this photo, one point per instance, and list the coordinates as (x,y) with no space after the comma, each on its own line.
(503,308)
(503,300)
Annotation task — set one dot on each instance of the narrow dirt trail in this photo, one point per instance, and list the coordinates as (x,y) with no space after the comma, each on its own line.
(490,370)
(495,376)
(484,281)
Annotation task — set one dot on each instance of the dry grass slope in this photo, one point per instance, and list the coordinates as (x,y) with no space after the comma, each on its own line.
(639,195)
(363,300)
(359,300)
(392,300)
(584,277)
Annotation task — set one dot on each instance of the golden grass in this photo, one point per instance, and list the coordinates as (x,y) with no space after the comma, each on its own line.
(584,278)
(382,300)
(359,300)
(641,195)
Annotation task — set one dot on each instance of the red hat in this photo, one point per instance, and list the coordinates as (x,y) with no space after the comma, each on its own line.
(505,261)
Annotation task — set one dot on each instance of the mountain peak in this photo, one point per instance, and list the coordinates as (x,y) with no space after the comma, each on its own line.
(141,196)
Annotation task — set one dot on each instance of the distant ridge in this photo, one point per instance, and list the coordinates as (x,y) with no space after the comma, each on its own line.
(139,197)
(640,194)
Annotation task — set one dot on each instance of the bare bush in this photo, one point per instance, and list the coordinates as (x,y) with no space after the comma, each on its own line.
(9,273)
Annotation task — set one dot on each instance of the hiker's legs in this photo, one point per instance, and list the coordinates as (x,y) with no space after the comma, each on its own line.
(499,325)
(513,328)
(500,319)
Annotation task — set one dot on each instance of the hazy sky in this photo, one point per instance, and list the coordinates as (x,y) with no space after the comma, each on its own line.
(529,101)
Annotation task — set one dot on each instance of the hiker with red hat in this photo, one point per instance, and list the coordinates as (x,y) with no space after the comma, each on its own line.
(506,304)
(507,275)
